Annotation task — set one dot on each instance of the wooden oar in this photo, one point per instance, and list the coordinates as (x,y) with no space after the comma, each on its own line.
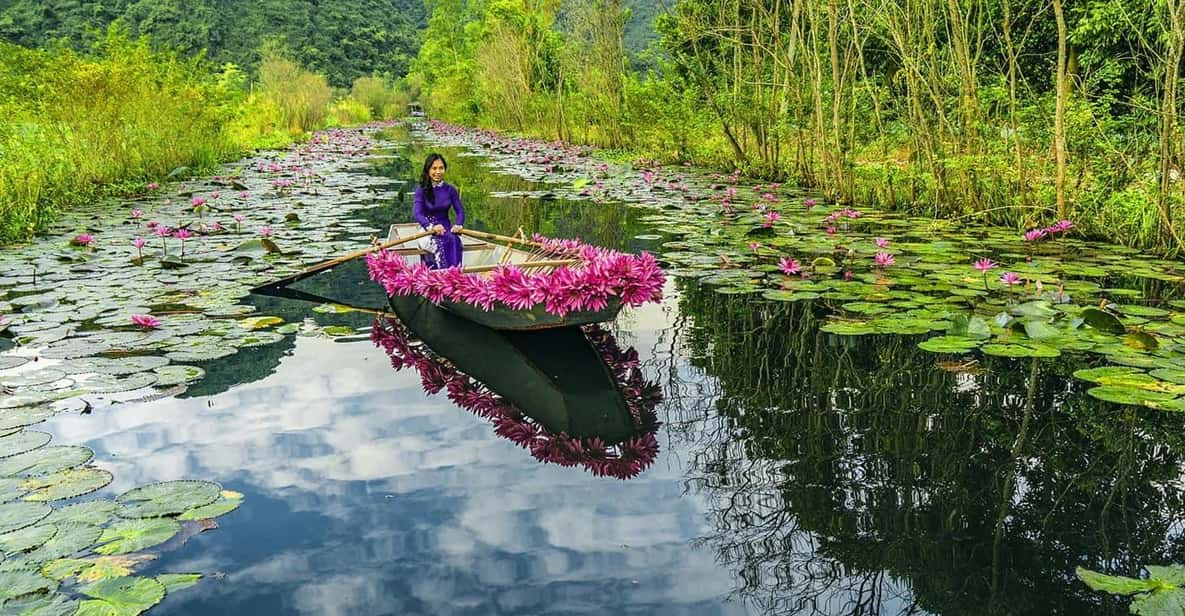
(320,267)
(494,237)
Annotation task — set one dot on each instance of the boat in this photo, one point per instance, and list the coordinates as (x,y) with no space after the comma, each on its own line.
(514,284)
(569,395)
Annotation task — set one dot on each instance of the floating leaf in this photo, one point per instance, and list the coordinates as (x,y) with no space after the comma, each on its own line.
(1142,341)
(222,506)
(1129,395)
(1103,321)
(95,513)
(169,376)
(28,538)
(70,483)
(260,322)
(178,581)
(948,344)
(128,536)
(1105,374)
(1114,584)
(69,540)
(54,604)
(166,498)
(20,582)
(969,326)
(23,441)
(23,416)
(1018,350)
(127,596)
(46,460)
(108,384)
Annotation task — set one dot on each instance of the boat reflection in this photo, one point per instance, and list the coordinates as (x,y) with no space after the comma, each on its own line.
(571,396)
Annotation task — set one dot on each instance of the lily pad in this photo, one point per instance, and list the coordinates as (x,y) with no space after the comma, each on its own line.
(46,460)
(127,536)
(178,581)
(23,441)
(260,322)
(1129,395)
(108,384)
(70,483)
(15,516)
(95,513)
(1106,373)
(21,582)
(166,498)
(28,538)
(1103,321)
(1019,350)
(24,416)
(69,540)
(169,376)
(125,596)
(226,503)
(948,344)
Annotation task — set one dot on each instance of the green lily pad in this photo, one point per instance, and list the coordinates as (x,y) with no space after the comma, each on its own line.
(23,441)
(260,322)
(1142,341)
(178,581)
(169,376)
(1019,350)
(8,362)
(21,582)
(46,460)
(1103,321)
(969,326)
(848,328)
(127,536)
(70,483)
(15,516)
(948,344)
(24,416)
(224,505)
(1171,375)
(1129,395)
(95,513)
(69,540)
(108,384)
(54,604)
(28,538)
(333,309)
(1105,374)
(124,596)
(166,498)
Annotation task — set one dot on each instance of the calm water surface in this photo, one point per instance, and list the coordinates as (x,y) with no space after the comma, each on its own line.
(800,472)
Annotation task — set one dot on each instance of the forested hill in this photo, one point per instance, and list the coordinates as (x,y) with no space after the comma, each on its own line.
(343,39)
(639,32)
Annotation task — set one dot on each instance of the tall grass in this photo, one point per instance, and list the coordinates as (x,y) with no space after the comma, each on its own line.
(76,127)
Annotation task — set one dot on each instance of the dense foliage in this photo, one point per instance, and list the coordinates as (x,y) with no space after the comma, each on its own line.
(1005,111)
(344,39)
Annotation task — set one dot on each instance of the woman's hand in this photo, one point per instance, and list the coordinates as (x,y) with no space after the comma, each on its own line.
(457,228)
(438,229)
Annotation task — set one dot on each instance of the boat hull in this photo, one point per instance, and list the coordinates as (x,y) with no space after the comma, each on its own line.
(537,318)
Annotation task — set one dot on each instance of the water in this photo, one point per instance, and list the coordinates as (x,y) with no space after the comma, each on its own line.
(799,472)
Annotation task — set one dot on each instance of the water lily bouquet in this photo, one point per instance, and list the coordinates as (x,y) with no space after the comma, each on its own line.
(601,276)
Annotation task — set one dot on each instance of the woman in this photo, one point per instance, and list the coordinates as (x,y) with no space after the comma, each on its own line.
(431,209)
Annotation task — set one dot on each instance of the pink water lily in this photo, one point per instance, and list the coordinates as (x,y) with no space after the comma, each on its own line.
(984,265)
(265,231)
(153,186)
(183,234)
(83,239)
(215,195)
(197,201)
(810,203)
(144,321)
(882,242)
(1033,235)
(139,244)
(754,246)
(884,259)
(789,266)
(1010,278)
(770,219)
(216,226)
(137,214)
(244,195)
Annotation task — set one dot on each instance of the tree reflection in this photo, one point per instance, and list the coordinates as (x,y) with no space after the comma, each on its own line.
(860,475)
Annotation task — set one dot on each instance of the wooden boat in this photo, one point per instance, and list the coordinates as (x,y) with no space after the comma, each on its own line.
(553,376)
(485,252)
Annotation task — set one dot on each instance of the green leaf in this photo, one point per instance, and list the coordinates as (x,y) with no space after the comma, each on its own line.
(166,498)
(1115,584)
(70,483)
(222,506)
(178,581)
(135,535)
(1040,330)
(125,596)
(1129,395)
(1103,321)
(1141,340)
(969,326)
(24,582)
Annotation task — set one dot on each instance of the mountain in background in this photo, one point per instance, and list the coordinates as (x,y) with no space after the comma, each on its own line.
(343,39)
(639,32)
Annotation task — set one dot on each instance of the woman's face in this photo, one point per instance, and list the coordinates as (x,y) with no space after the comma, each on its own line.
(436,171)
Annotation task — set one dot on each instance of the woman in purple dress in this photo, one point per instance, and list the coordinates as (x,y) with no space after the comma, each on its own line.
(433,200)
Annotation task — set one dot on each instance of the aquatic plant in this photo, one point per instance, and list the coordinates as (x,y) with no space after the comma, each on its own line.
(144,321)
(1162,593)
(83,240)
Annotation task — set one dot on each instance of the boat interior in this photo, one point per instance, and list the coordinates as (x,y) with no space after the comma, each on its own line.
(484,252)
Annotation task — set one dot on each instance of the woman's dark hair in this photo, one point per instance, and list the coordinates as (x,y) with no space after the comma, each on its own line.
(425,181)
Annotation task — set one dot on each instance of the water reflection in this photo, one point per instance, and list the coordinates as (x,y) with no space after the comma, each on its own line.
(854,475)
(571,396)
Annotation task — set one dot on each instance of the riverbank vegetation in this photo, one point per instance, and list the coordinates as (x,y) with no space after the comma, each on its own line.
(113,121)
(1013,112)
